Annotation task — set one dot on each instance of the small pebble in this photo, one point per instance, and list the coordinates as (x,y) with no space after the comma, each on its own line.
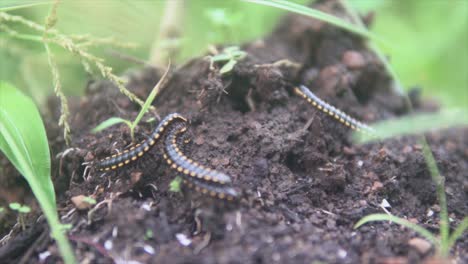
(377,186)
(81,202)
(421,245)
(353,59)
(362,203)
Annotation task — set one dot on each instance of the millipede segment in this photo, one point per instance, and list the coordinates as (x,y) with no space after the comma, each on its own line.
(325,107)
(119,160)
(220,192)
(196,176)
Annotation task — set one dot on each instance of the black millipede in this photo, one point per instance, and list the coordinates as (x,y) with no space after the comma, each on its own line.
(137,151)
(332,111)
(196,176)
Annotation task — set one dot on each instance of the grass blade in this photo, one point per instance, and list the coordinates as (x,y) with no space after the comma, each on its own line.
(457,233)
(108,123)
(322,16)
(415,124)
(400,221)
(24,142)
(151,97)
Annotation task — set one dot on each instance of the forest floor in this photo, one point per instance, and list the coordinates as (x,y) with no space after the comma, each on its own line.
(303,183)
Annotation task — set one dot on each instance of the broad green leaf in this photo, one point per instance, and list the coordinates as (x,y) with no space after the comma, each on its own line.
(414,124)
(400,221)
(23,140)
(110,122)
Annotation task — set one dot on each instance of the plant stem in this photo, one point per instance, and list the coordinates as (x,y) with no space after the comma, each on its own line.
(440,189)
(170,29)
(55,226)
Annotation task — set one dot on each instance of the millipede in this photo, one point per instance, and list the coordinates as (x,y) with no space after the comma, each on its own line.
(220,192)
(325,107)
(135,152)
(195,176)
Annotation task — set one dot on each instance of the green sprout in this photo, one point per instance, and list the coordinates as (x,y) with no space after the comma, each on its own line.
(174,186)
(230,55)
(149,234)
(2,209)
(146,106)
(22,211)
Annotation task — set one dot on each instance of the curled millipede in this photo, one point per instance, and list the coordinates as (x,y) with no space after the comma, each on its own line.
(325,107)
(195,176)
(198,177)
(137,151)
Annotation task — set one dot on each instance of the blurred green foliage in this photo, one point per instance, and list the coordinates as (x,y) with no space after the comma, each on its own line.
(427,40)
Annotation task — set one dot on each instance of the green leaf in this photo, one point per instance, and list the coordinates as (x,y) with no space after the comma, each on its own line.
(23,140)
(415,124)
(174,186)
(221,57)
(400,221)
(110,122)
(15,206)
(227,67)
(2,209)
(24,209)
(306,11)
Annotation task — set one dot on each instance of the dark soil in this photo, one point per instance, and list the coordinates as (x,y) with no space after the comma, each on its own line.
(303,183)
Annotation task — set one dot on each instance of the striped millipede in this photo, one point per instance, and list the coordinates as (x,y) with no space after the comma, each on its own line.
(325,107)
(196,176)
(119,160)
